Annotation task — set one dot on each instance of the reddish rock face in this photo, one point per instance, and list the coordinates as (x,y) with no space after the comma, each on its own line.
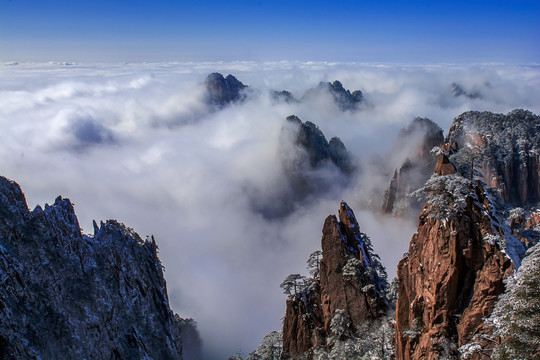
(358,290)
(302,325)
(342,241)
(450,279)
(444,166)
(526,227)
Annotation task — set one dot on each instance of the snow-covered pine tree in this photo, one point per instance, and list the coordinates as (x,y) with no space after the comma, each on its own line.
(516,316)
(313,263)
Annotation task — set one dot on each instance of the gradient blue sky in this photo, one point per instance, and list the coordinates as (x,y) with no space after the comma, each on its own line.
(340,30)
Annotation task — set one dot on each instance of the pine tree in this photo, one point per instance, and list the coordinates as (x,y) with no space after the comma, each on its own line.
(292,284)
(313,263)
(516,316)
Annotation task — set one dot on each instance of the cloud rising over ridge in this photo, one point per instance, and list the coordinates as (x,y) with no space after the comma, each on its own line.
(136,142)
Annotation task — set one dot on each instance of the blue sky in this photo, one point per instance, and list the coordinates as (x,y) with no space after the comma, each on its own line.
(340,30)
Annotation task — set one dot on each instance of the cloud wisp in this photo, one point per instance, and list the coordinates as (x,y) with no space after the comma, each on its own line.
(136,142)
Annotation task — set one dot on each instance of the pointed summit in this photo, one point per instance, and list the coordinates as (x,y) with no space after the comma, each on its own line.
(351,286)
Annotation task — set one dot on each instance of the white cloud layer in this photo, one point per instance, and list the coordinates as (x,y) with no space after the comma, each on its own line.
(135,142)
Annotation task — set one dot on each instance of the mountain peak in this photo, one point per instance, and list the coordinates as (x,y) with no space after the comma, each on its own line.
(222,91)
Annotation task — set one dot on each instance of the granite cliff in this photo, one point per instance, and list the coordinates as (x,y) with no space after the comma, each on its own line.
(453,273)
(222,91)
(69,295)
(343,98)
(311,167)
(503,149)
(345,303)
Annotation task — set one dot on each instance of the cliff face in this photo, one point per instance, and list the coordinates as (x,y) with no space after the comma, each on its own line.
(348,293)
(310,139)
(65,294)
(312,167)
(423,134)
(505,149)
(453,273)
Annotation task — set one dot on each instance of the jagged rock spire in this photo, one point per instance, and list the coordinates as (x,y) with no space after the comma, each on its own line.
(352,282)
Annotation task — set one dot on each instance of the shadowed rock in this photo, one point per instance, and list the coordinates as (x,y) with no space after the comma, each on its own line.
(69,295)
(416,169)
(222,91)
(344,99)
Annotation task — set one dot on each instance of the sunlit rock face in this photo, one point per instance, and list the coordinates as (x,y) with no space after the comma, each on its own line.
(69,295)
(453,273)
(505,149)
(350,281)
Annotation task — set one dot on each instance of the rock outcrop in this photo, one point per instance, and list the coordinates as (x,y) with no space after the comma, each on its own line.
(444,166)
(453,273)
(222,91)
(312,167)
(350,286)
(343,98)
(525,226)
(69,295)
(319,151)
(505,149)
(283,96)
(423,135)
(458,90)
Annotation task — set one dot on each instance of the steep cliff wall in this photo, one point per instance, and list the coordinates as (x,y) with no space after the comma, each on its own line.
(505,149)
(422,135)
(68,295)
(453,273)
(348,294)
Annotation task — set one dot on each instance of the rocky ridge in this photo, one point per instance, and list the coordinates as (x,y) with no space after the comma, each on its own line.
(65,294)
(503,149)
(221,91)
(343,98)
(311,139)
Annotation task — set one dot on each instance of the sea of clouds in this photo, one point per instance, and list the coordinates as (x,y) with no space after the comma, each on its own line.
(136,142)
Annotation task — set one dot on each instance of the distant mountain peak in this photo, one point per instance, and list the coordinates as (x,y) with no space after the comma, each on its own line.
(222,91)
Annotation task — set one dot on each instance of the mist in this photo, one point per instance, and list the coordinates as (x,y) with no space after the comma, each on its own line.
(137,143)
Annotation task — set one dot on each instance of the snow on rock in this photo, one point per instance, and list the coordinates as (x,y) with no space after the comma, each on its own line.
(455,270)
(351,283)
(66,295)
